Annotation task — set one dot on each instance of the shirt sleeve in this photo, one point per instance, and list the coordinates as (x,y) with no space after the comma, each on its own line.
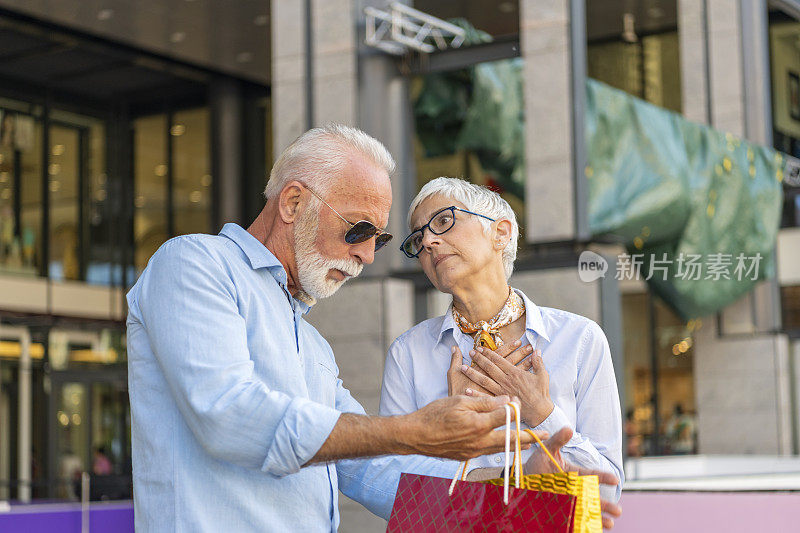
(187,304)
(373,482)
(597,439)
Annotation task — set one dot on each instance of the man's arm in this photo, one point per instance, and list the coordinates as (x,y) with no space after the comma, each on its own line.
(455,428)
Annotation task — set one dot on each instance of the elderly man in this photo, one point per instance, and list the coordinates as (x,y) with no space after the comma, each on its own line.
(238,416)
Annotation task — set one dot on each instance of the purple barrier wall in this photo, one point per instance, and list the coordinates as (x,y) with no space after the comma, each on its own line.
(667,512)
(116,517)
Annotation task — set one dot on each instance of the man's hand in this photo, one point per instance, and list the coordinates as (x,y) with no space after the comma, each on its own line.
(457,428)
(540,463)
(528,381)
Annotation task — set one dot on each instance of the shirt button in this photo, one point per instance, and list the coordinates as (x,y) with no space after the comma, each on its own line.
(497,459)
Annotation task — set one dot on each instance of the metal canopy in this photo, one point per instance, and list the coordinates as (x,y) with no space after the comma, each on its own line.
(404,28)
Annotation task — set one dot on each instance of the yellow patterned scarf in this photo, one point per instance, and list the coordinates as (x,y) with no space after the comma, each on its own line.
(487,332)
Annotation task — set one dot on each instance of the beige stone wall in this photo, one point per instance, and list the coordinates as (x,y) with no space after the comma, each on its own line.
(288,72)
(742,393)
(549,189)
(334,67)
(693,60)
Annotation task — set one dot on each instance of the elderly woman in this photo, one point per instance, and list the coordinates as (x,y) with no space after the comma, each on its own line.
(493,339)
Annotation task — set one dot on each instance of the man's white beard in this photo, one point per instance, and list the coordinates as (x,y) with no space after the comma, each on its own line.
(313,267)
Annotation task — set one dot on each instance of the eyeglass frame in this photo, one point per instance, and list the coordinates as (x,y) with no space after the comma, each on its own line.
(377,231)
(453,209)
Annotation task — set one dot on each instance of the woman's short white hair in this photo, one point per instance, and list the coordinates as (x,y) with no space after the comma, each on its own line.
(478,199)
(319,155)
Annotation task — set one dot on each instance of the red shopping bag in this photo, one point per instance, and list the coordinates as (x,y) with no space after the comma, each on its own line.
(428,504)
(423,505)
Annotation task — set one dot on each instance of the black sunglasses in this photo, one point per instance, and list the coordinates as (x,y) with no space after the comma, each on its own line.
(441,222)
(360,231)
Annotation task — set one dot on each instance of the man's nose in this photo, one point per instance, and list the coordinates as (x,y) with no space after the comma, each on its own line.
(364,252)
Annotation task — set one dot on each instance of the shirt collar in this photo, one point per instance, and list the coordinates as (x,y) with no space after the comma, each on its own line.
(533,319)
(259,256)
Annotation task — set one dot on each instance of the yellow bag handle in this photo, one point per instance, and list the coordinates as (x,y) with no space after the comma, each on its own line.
(550,455)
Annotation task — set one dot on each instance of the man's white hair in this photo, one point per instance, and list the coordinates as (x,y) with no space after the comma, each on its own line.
(318,156)
(478,199)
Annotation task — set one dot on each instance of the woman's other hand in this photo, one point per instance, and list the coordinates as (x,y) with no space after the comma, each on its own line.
(527,380)
(457,382)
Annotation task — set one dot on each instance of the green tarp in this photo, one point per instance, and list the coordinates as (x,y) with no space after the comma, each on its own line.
(480,109)
(698,207)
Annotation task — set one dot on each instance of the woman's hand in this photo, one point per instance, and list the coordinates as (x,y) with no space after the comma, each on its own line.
(527,380)
(458,383)
(540,463)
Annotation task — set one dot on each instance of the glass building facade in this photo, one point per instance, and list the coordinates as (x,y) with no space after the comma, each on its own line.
(106,151)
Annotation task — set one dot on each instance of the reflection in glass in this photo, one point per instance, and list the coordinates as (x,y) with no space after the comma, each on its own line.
(654,333)
(469,124)
(784,35)
(103,259)
(648,68)
(110,428)
(72,438)
(497,18)
(63,171)
(20,188)
(150,177)
(191,171)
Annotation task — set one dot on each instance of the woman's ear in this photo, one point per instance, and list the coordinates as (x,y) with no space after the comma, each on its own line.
(502,233)
(289,201)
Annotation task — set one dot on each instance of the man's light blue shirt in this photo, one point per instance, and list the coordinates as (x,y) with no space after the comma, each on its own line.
(578,361)
(232,392)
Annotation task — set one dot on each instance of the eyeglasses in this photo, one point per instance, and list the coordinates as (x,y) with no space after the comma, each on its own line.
(440,222)
(361,231)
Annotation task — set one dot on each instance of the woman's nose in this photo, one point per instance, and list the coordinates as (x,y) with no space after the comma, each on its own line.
(429,238)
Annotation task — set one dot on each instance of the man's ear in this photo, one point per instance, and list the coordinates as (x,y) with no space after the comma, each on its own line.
(502,233)
(290,201)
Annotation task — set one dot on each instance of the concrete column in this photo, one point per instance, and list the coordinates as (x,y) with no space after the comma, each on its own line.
(547,89)
(725,66)
(335,62)
(693,60)
(288,72)
(384,111)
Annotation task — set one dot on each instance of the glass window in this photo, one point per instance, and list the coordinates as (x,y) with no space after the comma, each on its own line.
(634,47)
(790,304)
(469,124)
(72,438)
(659,360)
(191,171)
(150,178)
(784,35)
(495,18)
(173,180)
(64,169)
(110,428)
(20,189)
(102,248)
